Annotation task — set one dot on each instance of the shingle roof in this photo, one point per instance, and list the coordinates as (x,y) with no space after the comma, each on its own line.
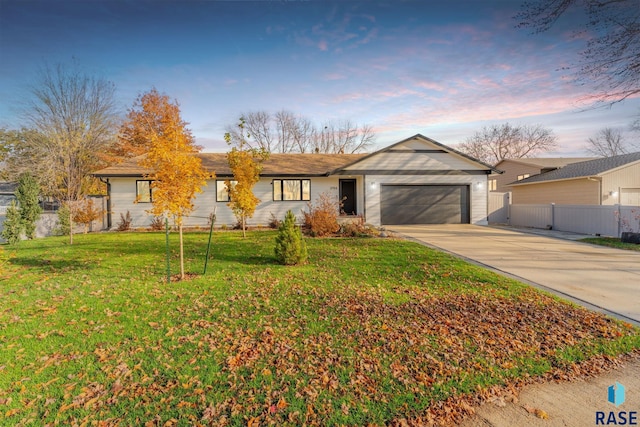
(8,187)
(583,169)
(548,162)
(278,164)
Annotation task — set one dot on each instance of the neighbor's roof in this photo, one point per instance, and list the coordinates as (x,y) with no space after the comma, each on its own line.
(546,162)
(589,168)
(278,164)
(8,187)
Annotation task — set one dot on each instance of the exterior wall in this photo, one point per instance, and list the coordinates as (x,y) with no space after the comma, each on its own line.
(511,170)
(123,193)
(623,178)
(477,192)
(574,192)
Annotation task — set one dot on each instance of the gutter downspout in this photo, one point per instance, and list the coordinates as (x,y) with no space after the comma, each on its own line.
(599,180)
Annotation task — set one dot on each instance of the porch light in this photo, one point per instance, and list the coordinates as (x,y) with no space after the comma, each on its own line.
(479,185)
(373,185)
(613,193)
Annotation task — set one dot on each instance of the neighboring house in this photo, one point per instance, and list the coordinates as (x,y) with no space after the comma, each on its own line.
(605,181)
(7,195)
(415,181)
(519,169)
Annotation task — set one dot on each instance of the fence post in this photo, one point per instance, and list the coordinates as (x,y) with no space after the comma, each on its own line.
(618,215)
(553,216)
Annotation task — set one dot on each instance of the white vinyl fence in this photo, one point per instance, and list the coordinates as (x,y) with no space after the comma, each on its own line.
(584,219)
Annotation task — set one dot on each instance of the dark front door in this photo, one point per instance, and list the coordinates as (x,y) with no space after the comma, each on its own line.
(348,196)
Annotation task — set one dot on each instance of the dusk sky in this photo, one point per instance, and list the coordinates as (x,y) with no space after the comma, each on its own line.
(443,68)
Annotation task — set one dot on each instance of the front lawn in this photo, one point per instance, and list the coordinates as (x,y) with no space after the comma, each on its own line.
(611,242)
(371,331)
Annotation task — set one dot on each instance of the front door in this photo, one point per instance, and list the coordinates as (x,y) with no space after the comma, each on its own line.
(348,197)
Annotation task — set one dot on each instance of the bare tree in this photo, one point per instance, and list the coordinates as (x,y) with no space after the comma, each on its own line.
(72,118)
(343,137)
(611,60)
(498,142)
(608,142)
(286,132)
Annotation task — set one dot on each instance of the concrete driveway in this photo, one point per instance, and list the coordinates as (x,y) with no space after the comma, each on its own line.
(600,278)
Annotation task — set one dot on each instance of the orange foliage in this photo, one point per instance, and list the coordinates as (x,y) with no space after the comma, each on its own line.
(177,174)
(246,165)
(144,118)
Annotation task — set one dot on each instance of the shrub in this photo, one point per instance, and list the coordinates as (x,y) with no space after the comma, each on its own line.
(64,225)
(125,222)
(356,227)
(322,218)
(157,223)
(274,222)
(85,213)
(27,193)
(13,225)
(290,247)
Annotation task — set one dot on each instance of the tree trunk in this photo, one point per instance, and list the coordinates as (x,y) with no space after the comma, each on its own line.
(70,226)
(181,254)
(244,227)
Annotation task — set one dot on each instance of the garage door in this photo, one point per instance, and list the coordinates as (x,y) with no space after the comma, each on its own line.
(424,204)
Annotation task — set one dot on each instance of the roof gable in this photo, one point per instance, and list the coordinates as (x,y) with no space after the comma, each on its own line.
(418,151)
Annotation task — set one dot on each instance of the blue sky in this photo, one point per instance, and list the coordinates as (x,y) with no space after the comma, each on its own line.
(440,68)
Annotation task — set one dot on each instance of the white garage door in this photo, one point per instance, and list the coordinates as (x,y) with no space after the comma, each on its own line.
(630,196)
(424,204)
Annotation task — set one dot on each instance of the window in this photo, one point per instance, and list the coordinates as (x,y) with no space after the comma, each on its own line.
(291,189)
(222,192)
(521,177)
(493,185)
(143,191)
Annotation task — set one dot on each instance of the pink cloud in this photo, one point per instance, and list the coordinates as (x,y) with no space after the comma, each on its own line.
(322,45)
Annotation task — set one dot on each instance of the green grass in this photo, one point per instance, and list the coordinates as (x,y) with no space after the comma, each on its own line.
(368,332)
(611,242)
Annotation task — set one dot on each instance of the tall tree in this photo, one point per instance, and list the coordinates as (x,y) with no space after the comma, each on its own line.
(498,142)
(28,194)
(285,132)
(246,164)
(72,118)
(608,142)
(177,174)
(611,59)
(143,119)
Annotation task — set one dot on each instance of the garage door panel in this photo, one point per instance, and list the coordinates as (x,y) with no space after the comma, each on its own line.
(424,204)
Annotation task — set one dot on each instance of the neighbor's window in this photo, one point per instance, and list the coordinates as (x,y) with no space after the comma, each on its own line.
(222,192)
(291,189)
(521,177)
(493,185)
(143,191)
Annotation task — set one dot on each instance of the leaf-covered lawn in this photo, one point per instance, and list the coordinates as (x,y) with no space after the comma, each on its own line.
(612,242)
(370,332)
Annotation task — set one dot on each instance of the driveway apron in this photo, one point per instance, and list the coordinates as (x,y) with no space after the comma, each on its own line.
(604,279)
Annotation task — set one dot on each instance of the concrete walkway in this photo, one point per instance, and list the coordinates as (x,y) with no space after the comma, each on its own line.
(597,277)
(600,278)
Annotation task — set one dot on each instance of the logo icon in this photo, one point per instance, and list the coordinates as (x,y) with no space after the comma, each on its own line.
(616,394)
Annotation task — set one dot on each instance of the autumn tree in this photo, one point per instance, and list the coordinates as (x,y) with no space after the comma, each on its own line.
(70,118)
(177,174)
(499,142)
(142,120)
(611,60)
(286,132)
(246,164)
(608,142)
